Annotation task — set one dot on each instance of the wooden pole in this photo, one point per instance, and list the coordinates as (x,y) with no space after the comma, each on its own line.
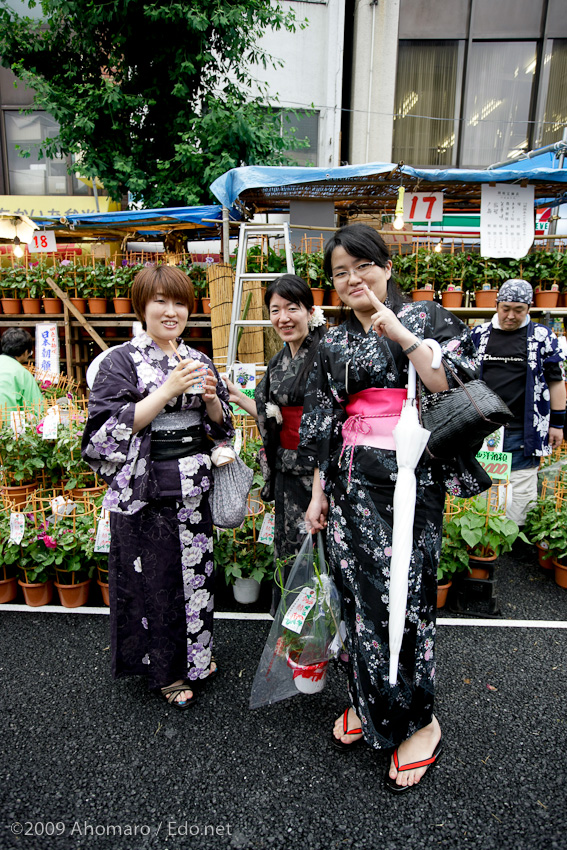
(79,316)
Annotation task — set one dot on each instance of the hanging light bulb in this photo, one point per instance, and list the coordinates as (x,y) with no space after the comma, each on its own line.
(439,247)
(18,250)
(399,213)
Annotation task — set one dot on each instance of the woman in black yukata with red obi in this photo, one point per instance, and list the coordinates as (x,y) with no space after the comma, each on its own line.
(352,402)
(155,408)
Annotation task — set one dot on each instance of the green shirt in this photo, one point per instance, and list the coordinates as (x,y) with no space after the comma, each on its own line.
(18,387)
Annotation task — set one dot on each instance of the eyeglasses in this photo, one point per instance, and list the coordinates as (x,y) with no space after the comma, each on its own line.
(360,271)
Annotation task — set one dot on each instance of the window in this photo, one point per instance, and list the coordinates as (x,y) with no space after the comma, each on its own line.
(554,77)
(426,102)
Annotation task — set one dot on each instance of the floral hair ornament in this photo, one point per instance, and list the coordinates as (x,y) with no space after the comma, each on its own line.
(273,412)
(316,319)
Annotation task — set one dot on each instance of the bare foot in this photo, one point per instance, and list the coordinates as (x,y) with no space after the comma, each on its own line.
(352,722)
(419,747)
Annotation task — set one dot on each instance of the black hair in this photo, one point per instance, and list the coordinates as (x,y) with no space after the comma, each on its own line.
(292,288)
(16,341)
(364,243)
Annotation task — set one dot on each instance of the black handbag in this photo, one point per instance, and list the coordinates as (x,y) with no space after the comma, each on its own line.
(460,418)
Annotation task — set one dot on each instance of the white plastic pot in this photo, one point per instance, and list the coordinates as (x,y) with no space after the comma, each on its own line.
(246,590)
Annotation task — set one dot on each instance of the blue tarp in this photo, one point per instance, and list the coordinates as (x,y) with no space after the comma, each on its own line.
(194,215)
(229,186)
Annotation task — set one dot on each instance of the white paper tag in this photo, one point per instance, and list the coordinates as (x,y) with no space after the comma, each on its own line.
(62,506)
(17,422)
(238,440)
(17,525)
(50,425)
(295,616)
(267,531)
(102,540)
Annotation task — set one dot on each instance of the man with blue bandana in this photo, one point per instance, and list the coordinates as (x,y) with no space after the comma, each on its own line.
(522,362)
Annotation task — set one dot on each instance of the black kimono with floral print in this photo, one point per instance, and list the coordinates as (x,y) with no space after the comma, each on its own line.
(359,534)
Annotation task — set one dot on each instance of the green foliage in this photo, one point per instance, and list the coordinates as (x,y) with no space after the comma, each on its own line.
(484,531)
(310,268)
(546,523)
(454,553)
(154,98)
(238,555)
(21,457)
(9,552)
(249,454)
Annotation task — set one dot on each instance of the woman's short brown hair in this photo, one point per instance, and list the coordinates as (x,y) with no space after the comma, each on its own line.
(169,281)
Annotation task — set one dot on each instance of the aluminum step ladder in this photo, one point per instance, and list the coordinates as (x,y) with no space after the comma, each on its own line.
(248,230)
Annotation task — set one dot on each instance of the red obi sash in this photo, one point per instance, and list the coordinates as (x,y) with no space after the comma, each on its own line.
(289,435)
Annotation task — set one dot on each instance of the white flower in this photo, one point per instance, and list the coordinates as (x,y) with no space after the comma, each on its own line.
(273,412)
(316,319)
(138,565)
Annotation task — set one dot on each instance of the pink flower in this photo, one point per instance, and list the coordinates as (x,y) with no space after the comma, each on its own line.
(49,541)
(65,263)
(39,428)
(388,551)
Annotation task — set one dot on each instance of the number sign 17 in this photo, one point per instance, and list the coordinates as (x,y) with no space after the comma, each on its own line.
(420,206)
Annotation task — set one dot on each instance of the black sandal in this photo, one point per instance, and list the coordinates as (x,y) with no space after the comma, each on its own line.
(170,693)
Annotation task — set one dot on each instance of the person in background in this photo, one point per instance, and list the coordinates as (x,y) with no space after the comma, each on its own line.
(522,362)
(155,408)
(18,387)
(278,405)
(352,402)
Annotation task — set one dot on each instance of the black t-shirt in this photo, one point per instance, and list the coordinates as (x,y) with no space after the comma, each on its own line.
(505,369)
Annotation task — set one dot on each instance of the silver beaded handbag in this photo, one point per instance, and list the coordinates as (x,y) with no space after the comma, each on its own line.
(232,483)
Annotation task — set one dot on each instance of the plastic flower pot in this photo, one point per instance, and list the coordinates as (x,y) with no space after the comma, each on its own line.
(451,299)
(36,595)
(19,493)
(73,595)
(546,298)
(52,305)
(308,678)
(31,306)
(8,589)
(246,590)
(97,305)
(485,297)
(423,294)
(560,573)
(544,556)
(442,591)
(122,305)
(11,306)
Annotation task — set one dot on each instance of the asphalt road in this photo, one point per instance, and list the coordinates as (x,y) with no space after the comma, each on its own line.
(91,763)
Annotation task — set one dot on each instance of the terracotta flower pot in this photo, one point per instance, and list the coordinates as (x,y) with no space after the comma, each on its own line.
(318,294)
(19,494)
(423,294)
(104,591)
(122,305)
(546,298)
(544,557)
(560,573)
(73,595)
(52,305)
(11,306)
(485,297)
(206,305)
(562,299)
(97,305)
(442,591)
(31,306)
(36,595)
(91,492)
(80,304)
(333,298)
(8,589)
(451,299)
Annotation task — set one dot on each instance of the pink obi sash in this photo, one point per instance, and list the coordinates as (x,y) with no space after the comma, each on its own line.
(372,416)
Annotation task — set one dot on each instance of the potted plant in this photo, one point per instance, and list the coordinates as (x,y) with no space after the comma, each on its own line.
(65,462)
(99,286)
(245,561)
(13,285)
(9,558)
(123,276)
(486,532)
(454,558)
(309,626)
(309,267)
(540,522)
(36,563)
(557,540)
(21,462)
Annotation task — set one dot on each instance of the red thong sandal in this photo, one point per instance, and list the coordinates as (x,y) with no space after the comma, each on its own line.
(397,789)
(340,745)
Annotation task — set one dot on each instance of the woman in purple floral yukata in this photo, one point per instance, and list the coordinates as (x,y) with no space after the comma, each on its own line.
(155,408)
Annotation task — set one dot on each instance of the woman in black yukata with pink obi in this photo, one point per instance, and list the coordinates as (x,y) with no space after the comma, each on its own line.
(155,408)
(353,400)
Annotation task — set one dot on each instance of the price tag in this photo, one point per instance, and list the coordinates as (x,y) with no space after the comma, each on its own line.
(423,206)
(17,525)
(102,540)
(267,531)
(42,241)
(295,616)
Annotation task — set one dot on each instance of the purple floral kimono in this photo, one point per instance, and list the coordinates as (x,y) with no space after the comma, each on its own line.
(160,563)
